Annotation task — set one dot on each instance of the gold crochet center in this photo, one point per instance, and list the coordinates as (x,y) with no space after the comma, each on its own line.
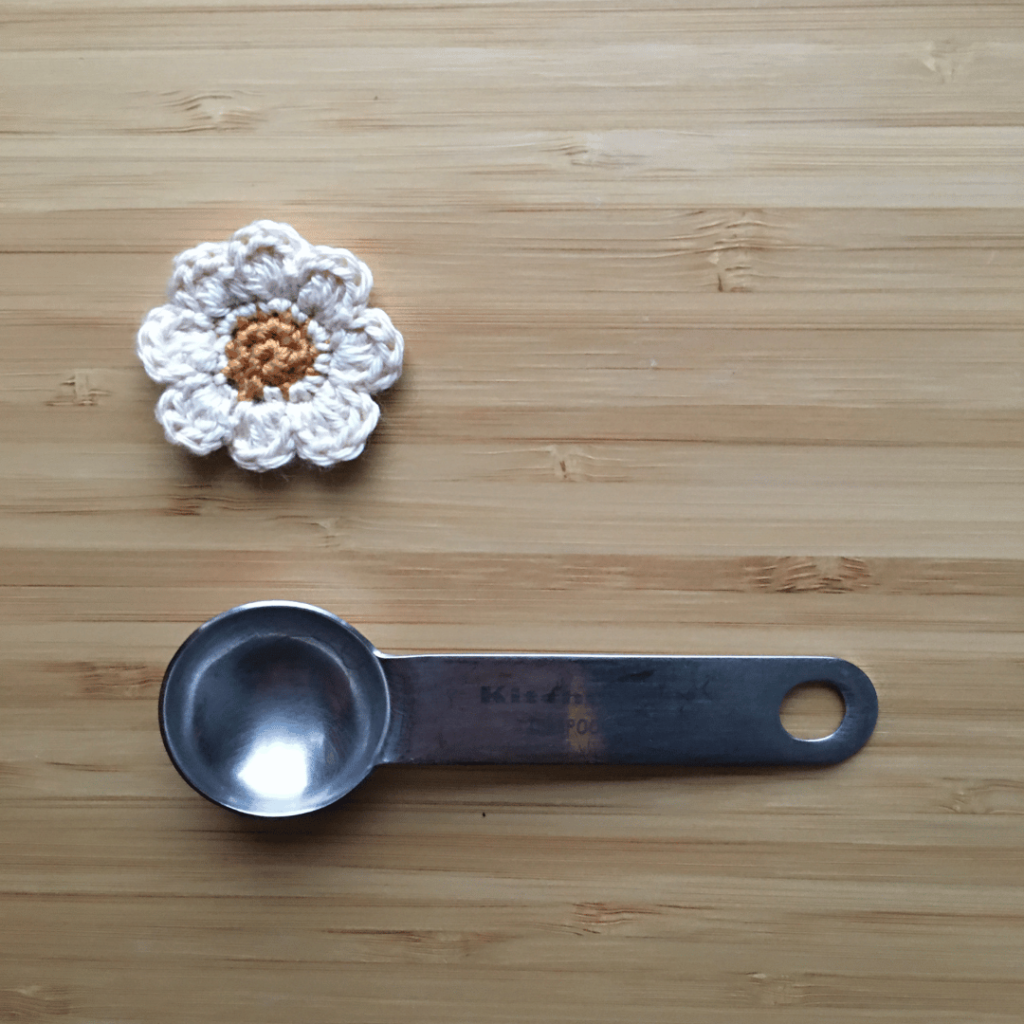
(268,350)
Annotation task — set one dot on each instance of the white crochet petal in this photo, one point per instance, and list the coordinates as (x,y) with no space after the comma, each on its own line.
(324,298)
(368,358)
(201,280)
(197,414)
(176,343)
(335,286)
(387,347)
(265,258)
(262,436)
(334,426)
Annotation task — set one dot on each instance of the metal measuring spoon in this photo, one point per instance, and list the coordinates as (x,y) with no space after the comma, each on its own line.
(279,708)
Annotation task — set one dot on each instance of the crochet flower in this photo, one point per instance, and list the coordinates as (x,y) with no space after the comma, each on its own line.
(268,347)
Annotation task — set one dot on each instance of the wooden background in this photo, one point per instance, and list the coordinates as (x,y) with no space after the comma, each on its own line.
(714,318)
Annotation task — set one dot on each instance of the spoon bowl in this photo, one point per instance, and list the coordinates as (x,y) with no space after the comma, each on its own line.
(274,709)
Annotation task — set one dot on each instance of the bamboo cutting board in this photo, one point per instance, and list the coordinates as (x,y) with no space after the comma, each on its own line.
(714,323)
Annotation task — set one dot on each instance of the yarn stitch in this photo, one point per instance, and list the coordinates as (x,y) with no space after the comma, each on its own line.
(267,346)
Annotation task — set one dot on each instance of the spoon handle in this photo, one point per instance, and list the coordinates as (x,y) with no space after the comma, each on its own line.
(550,709)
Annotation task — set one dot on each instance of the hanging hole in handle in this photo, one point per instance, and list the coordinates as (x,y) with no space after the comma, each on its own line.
(812,711)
